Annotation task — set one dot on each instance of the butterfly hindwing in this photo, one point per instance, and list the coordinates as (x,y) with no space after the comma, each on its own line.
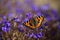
(40,20)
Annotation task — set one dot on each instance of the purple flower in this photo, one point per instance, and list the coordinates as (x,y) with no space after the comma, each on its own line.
(45,7)
(35,36)
(17,20)
(31,35)
(4,17)
(19,10)
(10,15)
(38,35)
(59,26)
(48,18)
(34,7)
(0,22)
(53,11)
(29,15)
(4,29)
(46,24)
(54,14)
(39,14)
(41,34)
(26,19)
(8,24)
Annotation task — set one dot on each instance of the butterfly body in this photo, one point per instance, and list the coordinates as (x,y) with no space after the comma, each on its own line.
(34,22)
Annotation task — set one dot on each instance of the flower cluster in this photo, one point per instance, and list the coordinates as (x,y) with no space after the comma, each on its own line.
(48,27)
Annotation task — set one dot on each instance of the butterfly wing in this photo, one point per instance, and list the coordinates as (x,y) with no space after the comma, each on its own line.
(39,20)
(29,24)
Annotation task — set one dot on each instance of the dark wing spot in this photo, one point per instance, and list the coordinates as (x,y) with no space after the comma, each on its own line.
(27,21)
(39,16)
(31,24)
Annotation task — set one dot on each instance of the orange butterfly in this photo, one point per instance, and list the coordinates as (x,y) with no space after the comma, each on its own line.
(34,22)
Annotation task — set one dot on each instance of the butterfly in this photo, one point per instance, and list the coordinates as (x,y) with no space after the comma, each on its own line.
(34,22)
